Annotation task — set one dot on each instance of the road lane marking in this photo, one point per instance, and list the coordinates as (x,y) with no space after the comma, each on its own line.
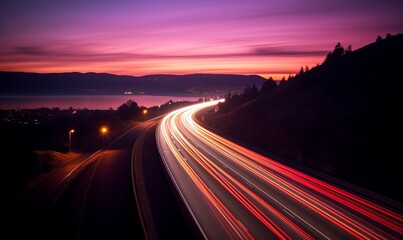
(265,193)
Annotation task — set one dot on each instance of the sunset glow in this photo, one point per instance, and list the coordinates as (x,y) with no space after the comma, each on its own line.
(269,38)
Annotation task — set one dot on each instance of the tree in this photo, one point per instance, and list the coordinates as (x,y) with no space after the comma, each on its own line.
(337,53)
(282,81)
(129,110)
(301,71)
(250,93)
(289,77)
(348,49)
(254,92)
(338,50)
(268,85)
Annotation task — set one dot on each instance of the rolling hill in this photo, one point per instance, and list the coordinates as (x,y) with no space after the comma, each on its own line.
(342,118)
(20,83)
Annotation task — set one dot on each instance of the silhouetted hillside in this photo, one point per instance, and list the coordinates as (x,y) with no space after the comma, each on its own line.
(342,117)
(19,83)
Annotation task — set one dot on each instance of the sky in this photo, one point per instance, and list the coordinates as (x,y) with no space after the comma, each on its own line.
(140,37)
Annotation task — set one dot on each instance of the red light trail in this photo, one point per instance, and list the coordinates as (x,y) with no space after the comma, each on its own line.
(252,196)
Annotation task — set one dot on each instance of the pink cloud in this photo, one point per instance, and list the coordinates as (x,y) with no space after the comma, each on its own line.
(137,38)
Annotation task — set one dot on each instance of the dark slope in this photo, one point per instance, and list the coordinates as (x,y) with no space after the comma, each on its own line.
(342,118)
(19,83)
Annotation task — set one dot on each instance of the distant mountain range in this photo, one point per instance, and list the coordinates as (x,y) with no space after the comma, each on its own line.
(342,117)
(21,83)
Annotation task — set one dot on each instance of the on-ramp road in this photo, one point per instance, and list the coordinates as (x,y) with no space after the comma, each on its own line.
(97,196)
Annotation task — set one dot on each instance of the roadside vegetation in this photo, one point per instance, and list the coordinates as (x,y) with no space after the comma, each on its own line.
(340,117)
(35,141)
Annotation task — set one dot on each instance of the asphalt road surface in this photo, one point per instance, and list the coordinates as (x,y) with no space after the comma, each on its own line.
(97,196)
(170,178)
(233,192)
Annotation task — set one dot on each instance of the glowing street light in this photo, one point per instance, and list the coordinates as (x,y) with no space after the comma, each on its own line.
(104,131)
(70,132)
(145,111)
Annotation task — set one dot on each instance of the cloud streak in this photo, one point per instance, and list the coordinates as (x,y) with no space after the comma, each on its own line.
(77,54)
(137,37)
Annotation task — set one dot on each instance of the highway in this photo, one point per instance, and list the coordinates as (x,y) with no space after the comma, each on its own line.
(232,192)
(118,192)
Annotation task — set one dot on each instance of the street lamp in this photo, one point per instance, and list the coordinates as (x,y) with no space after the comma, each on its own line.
(70,132)
(104,130)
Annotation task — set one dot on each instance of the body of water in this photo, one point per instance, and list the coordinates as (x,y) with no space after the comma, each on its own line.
(102,102)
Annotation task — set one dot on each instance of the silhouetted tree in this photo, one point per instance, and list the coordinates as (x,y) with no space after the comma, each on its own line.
(129,110)
(348,49)
(338,52)
(379,38)
(282,82)
(254,92)
(268,85)
(232,101)
(301,71)
(306,68)
(250,92)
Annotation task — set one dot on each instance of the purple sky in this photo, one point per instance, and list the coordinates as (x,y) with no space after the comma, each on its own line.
(139,37)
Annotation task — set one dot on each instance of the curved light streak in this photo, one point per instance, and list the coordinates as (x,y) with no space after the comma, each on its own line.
(243,181)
